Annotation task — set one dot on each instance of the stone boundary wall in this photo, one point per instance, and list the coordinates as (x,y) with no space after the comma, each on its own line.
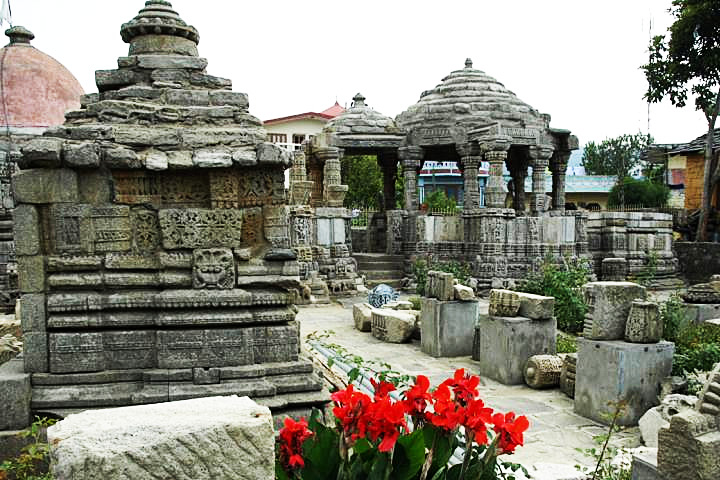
(698,260)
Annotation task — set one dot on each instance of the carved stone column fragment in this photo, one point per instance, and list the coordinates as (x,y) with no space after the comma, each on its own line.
(540,158)
(495,190)
(411,158)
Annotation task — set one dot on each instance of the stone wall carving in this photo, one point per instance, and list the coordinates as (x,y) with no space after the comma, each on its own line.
(200,228)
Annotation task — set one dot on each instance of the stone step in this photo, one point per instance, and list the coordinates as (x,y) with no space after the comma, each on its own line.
(393,282)
(374,257)
(380,266)
(376,274)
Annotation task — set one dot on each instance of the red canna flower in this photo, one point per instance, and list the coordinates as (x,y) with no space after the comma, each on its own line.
(292,437)
(385,420)
(417,396)
(477,416)
(350,410)
(382,388)
(464,386)
(447,413)
(509,430)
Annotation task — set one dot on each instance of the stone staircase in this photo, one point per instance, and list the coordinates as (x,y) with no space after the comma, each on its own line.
(380,268)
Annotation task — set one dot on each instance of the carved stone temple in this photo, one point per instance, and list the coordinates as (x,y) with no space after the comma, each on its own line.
(153,243)
(469,118)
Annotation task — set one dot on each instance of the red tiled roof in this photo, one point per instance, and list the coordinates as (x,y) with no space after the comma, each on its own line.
(335,110)
(325,115)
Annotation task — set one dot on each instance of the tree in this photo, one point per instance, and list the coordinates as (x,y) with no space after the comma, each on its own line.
(364,178)
(615,156)
(645,193)
(688,61)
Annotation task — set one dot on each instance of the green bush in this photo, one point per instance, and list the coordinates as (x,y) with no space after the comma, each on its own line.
(701,357)
(562,282)
(673,317)
(438,200)
(566,343)
(416,303)
(640,192)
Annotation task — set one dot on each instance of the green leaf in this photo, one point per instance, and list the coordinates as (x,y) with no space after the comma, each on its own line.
(280,471)
(379,467)
(320,453)
(444,447)
(409,456)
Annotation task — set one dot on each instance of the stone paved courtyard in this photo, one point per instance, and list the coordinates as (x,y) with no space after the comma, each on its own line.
(555,431)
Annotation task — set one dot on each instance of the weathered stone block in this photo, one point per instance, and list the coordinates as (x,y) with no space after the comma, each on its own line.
(171,62)
(644,323)
(188,97)
(26,224)
(83,155)
(212,158)
(224,97)
(392,326)
(205,348)
(503,345)
(440,286)
(503,303)
(156,160)
(15,392)
(659,417)
(567,375)
(690,448)
(180,159)
(35,352)
(31,311)
(447,327)
(121,158)
(362,316)
(42,152)
(94,187)
(608,308)
(615,371)
(463,293)
(230,438)
(45,186)
(31,273)
(536,307)
(269,153)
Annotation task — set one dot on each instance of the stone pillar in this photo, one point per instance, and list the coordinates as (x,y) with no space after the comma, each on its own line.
(333,189)
(411,158)
(388,164)
(539,157)
(470,163)
(558,166)
(495,190)
(300,187)
(518,178)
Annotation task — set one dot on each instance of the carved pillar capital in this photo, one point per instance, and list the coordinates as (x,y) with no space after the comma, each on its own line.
(327,153)
(411,156)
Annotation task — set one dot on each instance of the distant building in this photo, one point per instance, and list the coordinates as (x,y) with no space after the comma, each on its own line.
(685,170)
(291,131)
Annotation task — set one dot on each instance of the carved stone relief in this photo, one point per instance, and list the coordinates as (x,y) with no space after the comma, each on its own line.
(200,228)
(213,268)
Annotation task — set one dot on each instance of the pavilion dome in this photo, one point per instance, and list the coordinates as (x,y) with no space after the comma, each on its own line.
(469,98)
(361,119)
(37,90)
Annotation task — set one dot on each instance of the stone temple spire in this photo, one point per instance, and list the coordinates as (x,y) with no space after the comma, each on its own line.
(158,29)
(468,63)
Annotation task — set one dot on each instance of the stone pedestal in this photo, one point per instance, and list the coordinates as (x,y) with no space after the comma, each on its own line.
(614,270)
(616,371)
(503,345)
(448,327)
(14,396)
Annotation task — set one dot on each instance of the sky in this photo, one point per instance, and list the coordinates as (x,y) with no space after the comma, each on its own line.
(577,60)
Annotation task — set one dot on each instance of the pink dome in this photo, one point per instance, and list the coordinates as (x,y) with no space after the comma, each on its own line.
(36,89)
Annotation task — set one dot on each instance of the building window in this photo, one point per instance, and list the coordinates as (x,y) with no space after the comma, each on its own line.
(277,137)
(298,138)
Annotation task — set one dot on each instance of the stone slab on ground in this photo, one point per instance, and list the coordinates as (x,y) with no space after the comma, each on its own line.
(502,345)
(15,394)
(205,438)
(613,371)
(392,326)
(362,316)
(447,327)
